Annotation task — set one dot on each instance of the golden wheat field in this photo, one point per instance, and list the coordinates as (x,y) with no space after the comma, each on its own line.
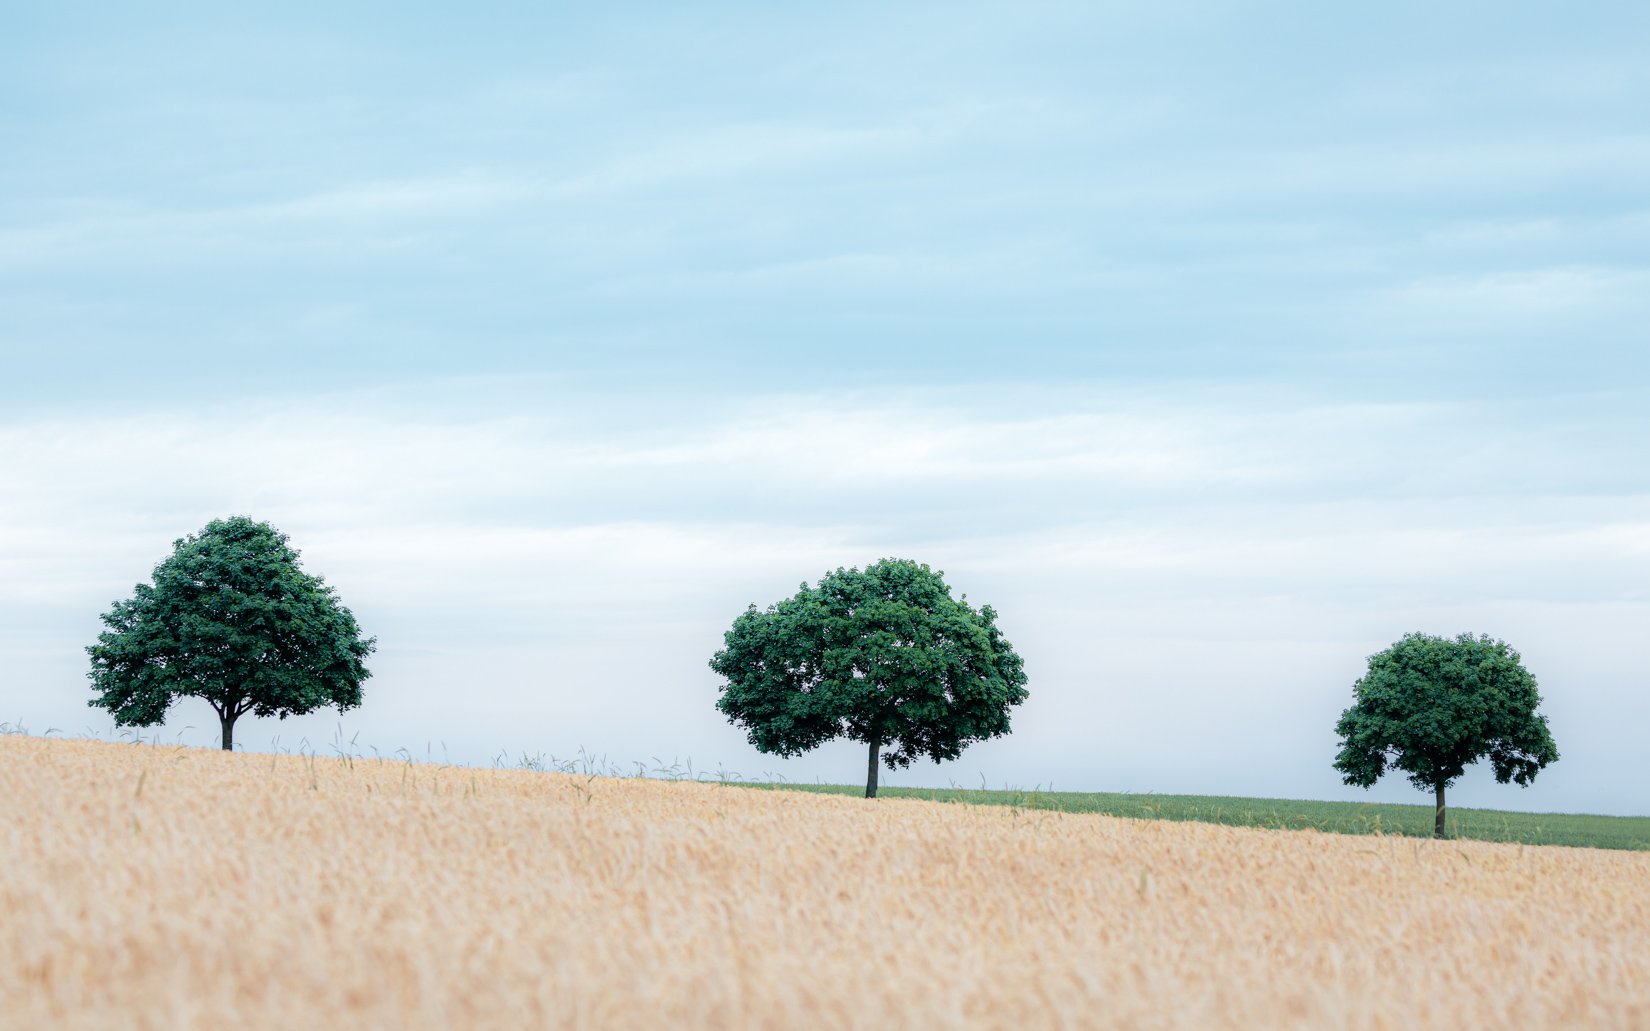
(147,887)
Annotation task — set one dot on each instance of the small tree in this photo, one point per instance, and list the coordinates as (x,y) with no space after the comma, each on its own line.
(884,656)
(232,619)
(1431,706)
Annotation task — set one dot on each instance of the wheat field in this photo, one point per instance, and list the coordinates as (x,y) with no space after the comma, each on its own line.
(148,887)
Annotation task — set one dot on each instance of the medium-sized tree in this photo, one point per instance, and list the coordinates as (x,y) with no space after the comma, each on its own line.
(885,657)
(1432,706)
(230,618)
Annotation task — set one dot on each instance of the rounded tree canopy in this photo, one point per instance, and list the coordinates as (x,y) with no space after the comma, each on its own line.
(1431,706)
(230,618)
(884,656)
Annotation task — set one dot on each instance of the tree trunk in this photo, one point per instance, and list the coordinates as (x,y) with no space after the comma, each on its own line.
(871,772)
(1438,817)
(228,722)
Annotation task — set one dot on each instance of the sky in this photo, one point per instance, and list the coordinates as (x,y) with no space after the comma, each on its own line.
(1216,345)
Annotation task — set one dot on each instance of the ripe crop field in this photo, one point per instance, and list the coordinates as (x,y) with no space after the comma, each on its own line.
(1631,832)
(152,887)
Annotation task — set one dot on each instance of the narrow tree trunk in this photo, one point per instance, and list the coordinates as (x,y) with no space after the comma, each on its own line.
(871,772)
(227,719)
(1438,817)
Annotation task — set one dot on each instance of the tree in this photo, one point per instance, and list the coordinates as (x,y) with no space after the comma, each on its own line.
(1432,706)
(232,619)
(885,657)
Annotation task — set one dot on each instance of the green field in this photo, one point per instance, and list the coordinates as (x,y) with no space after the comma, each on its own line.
(1628,832)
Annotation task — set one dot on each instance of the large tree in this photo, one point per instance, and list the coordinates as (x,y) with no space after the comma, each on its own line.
(883,656)
(230,618)
(1432,706)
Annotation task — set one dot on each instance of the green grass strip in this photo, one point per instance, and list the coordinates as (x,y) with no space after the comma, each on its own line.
(1623,832)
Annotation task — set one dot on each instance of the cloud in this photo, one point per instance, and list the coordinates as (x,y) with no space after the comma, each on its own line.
(103,232)
(1516,296)
(565,563)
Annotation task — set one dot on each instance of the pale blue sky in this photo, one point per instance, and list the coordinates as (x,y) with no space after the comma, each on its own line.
(1216,344)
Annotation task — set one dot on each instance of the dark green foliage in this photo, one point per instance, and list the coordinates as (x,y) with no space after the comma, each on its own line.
(232,619)
(1431,706)
(1624,832)
(885,656)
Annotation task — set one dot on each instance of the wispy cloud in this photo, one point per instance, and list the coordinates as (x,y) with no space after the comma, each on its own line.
(106,232)
(1517,296)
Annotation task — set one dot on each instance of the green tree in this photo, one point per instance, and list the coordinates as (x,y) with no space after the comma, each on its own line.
(232,619)
(885,657)
(1432,706)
